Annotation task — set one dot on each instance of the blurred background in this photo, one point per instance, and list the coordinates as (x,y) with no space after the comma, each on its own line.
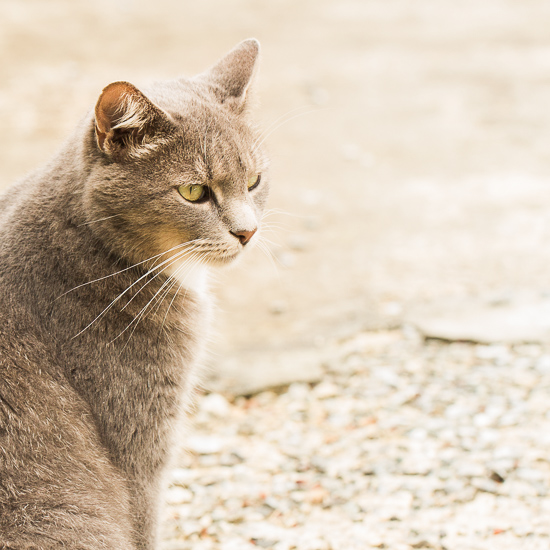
(409,143)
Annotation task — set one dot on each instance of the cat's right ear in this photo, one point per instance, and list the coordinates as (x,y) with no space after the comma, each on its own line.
(230,78)
(127,123)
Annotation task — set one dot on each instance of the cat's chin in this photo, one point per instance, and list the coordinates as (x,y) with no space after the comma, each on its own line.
(230,258)
(225,260)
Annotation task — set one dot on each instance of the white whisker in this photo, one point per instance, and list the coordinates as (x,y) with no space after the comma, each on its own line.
(264,135)
(276,121)
(270,226)
(189,262)
(125,269)
(273,211)
(171,259)
(176,293)
(265,240)
(99,220)
(272,259)
(136,320)
(175,257)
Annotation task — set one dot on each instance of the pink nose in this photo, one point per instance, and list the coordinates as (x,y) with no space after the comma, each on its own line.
(244,236)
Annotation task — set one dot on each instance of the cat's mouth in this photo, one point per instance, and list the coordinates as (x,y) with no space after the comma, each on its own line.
(221,254)
(229,255)
(224,258)
(216,257)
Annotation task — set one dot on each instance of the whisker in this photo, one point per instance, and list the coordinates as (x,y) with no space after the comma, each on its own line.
(277,120)
(176,293)
(173,282)
(194,254)
(276,226)
(127,268)
(136,320)
(259,141)
(99,220)
(170,304)
(176,257)
(171,259)
(188,263)
(272,259)
(272,243)
(273,211)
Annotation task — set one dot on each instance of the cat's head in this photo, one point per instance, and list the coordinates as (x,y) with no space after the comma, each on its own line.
(177,169)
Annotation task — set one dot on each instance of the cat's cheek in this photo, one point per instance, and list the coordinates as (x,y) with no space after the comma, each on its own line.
(168,240)
(259,198)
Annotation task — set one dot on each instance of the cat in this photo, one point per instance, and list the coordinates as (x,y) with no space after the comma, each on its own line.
(104,301)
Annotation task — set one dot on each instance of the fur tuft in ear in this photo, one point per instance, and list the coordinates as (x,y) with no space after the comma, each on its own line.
(128,124)
(231,77)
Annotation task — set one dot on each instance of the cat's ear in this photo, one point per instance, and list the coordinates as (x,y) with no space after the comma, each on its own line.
(128,124)
(231,77)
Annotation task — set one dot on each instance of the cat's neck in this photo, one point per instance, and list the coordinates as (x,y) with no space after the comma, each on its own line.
(195,277)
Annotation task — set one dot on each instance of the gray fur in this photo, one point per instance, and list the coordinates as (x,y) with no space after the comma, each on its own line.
(95,373)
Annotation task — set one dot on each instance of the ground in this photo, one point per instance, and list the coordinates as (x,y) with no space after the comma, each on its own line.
(403,444)
(409,145)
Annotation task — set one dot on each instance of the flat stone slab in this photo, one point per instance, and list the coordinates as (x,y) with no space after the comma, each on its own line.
(519,319)
(252,372)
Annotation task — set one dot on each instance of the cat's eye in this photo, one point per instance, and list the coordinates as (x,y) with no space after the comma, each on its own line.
(192,193)
(254,181)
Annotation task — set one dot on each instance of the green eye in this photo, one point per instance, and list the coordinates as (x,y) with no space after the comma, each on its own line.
(192,193)
(254,181)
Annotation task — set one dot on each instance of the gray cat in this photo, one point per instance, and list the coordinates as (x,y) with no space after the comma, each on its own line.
(104,259)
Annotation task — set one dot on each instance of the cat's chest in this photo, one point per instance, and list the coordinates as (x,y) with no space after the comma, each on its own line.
(193,277)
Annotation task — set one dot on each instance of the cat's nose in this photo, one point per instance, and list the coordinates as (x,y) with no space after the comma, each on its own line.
(244,236)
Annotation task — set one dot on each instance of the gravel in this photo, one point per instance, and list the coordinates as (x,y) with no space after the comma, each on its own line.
(404,444)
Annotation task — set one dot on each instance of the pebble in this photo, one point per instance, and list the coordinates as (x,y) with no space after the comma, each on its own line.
(416,445)
(178,495)
(278,307)
(298,243)
(204,444)
(215,405)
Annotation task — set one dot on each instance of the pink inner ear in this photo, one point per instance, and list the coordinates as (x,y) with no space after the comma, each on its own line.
(124,118)
(110,105)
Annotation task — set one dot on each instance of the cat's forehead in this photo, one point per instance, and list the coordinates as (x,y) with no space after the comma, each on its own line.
(193,107)
(218,145)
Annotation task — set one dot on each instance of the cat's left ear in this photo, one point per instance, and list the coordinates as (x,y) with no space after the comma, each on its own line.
(231,78)
(127,123)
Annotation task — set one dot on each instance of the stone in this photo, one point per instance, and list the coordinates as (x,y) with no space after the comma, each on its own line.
(204,444)
(215,405)
(520,319)
(254,372)
(178,495)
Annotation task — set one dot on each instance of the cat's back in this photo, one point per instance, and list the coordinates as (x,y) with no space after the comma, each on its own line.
(12,196)
(50,461)
(58,487)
